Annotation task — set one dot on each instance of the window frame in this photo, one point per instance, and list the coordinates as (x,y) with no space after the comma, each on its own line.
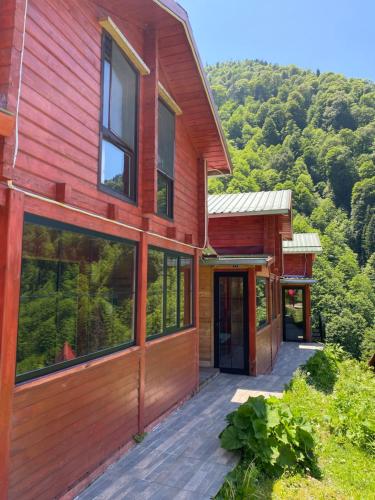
(169,180)
(266,281)
(54,224)
(177,328)
(106,133)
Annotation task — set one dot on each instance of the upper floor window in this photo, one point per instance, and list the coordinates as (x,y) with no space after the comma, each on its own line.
(77,296)
(119,122)
(166,147)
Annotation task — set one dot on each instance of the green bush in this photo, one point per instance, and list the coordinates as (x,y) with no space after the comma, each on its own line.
(347,330)
(322,368)
(267,433)
(352,407)
(368,344)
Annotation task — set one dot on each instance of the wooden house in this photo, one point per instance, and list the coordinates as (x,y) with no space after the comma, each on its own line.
(107,134)
(254,282)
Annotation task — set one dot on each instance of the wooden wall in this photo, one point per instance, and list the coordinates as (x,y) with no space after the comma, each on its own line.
(171,364)
(66,424)
(298,264)
(206,313)
(234,232)
(59,118)
(268,341)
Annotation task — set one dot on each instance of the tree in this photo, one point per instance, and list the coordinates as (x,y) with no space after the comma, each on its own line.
(341,174)
(347,330)
(270,132)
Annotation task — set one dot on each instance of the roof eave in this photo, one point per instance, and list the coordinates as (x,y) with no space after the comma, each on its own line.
(250,214)
(175,10)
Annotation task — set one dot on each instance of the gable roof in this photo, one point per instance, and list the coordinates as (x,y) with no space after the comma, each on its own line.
(303,243)
(256,203)
(180,14)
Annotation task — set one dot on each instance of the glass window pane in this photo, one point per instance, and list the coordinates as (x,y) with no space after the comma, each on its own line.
(171,296)
(262,312)
(165,196)
(106,87)
(166,139)
(155,287)
(77,296)
(186,276)
(116,166)
(123,98)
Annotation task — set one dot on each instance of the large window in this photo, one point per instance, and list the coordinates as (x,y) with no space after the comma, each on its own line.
(169,292)
(77,296)
(262,302)
(119,122)
(166,146)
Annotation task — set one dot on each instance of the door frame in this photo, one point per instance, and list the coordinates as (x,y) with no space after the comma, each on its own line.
(244,276)
(303,288)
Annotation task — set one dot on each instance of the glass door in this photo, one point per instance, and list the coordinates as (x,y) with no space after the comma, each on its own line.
(294,314)
(231,322)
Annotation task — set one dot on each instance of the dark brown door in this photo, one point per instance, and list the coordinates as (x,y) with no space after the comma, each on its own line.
(231,323)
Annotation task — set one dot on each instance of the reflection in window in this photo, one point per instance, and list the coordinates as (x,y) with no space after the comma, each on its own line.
(169,292)
(166,151)
(262,303)
(77,296)
(119,100)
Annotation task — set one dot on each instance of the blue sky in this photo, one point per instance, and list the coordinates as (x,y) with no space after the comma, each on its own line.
(332,35)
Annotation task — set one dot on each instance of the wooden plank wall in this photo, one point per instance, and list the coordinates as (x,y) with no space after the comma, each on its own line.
(237,232)
(206,319)
(67,424)
(59,116)
(170,372)
(296,264)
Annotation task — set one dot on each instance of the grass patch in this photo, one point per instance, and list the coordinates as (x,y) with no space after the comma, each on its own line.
(342,416)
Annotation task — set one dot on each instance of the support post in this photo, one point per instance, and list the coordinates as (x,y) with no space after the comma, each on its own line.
(252,297)
(11,227)
(197,255)
(308,313)
(141,325)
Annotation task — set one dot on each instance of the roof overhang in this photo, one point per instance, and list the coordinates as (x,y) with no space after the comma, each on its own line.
(180,14)
(238,260)
(291,280)
(250,214)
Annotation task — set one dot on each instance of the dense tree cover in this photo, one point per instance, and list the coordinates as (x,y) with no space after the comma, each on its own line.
(312,133)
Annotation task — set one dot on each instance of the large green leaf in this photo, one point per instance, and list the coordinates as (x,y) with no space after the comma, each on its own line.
(229,439)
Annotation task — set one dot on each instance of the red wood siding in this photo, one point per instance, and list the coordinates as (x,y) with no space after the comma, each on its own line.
(68,423)
(235,232)
(59,118)
(298,264)
(170,372)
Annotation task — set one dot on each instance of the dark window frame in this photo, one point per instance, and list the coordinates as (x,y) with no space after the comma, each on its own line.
(106,134)
(174,329)
(267,297)
(167,178)
(34,374)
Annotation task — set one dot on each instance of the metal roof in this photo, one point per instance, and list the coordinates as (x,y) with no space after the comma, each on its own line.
(238,260)
(258,203)
(297,281)
(303,243)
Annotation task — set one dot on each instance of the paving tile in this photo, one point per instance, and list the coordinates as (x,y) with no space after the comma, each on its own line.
(181,458)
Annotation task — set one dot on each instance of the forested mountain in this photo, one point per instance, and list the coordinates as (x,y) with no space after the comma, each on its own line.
(313,133)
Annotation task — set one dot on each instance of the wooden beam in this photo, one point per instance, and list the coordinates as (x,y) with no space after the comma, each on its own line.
(252,297)
(307,313)
(197,256)
(168,99)
(141,325)
(125,45)
(11,228)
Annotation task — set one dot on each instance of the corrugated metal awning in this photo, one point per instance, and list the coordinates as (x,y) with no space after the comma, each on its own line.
(238,260)
(258,203)
(303,243)
(290,280)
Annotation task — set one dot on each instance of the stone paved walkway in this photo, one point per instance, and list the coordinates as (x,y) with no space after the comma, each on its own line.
(181,458)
